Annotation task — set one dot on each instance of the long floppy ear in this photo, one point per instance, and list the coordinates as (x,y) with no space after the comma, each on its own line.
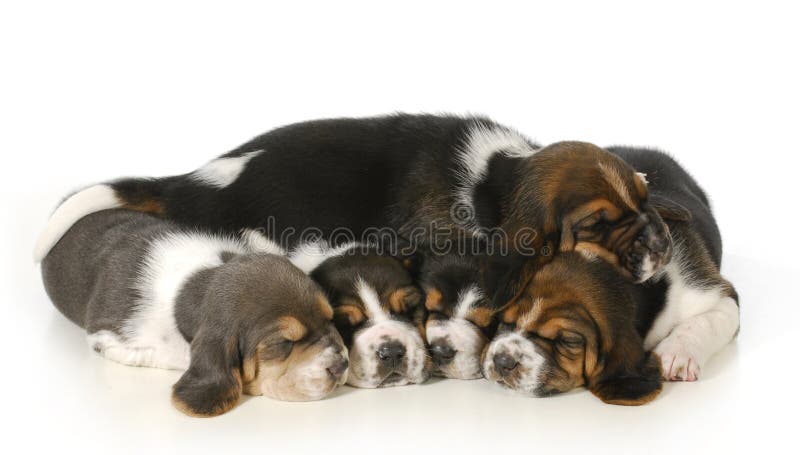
(669,209)
(631,385)
(504,279)
(212,384)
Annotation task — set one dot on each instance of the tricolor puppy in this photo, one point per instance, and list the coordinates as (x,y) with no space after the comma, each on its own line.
(412,175)
(460,315)
(578,322)
(377,309)
(151,294)
(575,325)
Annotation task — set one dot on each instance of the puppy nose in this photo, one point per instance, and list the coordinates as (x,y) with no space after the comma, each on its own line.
(504,364)
(442,353)
(391,353)
(338,367)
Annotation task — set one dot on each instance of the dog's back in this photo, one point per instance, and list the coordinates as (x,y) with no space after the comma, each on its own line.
(97,261)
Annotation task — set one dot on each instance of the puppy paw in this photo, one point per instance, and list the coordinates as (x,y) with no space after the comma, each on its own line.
(678,363)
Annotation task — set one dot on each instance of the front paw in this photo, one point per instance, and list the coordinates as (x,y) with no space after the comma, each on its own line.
(678,362)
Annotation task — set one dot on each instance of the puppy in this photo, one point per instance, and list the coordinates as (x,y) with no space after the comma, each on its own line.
(377,309)
(575,325)
(460,315)
(577,322)
(697,312)
(152,294)
(411,175)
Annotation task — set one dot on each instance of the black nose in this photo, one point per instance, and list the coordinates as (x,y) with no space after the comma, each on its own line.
(338,367)
(442,353)
(391,353)
(504,364)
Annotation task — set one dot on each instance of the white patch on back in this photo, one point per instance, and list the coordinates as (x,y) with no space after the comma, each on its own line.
(221,172)
(481,144)
(85,202)
(309,256)
(257,242)
(150,337)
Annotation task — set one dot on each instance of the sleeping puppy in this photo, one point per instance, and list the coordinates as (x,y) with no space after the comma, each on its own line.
(460,316)
(414,176)
(699,314)
(577,322)
(575,325)
(377,309)
(152,294)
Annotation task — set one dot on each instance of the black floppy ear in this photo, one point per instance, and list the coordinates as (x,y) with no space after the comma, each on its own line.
(212,384)
(505,278)
(631,386)
(669,209)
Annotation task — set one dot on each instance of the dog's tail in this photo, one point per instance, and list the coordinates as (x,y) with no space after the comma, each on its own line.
(143,195)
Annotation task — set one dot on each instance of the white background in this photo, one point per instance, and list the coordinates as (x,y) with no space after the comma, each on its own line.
(94,90)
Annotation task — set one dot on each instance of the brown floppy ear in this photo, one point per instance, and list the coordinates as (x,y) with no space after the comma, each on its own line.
(631,385)
(405,299)
(669,209)
(212,384)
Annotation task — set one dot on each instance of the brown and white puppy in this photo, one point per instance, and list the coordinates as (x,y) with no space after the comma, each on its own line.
(378,310)
(151,294)
(577,321)
(575,325)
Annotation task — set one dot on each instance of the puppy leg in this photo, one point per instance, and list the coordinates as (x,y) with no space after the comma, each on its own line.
(112,347)
(694,340)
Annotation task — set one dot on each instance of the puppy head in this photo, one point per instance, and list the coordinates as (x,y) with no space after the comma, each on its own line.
(267,330)
(460,316)
(380,314)
(573,326)
(590,199)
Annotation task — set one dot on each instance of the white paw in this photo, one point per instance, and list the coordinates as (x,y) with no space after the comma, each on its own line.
(678,363)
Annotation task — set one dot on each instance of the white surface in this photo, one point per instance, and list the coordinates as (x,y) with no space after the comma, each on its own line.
(94,90)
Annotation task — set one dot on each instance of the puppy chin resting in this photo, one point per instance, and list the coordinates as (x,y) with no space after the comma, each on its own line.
(456,347)
(405,361)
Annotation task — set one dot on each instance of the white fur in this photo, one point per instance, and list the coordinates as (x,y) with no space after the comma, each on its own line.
(309,256)
(643,177)
(364,371)
(150,337)
(306,382)
(372,303)
(364,364)
(259,243)
(530,362)
(75,207)
(221,172)
(481,144)
(694,324)
(648,269)
(463,336)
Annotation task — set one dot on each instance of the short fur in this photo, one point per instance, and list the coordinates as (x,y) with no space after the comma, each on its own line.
(579,322)
(149,293)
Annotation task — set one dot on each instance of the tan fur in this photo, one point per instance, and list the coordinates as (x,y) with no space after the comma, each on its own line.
(291,328)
